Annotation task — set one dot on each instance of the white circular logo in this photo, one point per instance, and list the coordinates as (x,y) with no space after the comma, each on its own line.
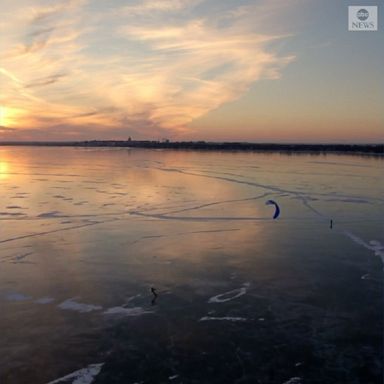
(362,14)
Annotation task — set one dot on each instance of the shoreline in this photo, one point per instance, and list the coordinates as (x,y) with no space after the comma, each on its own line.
(358,149)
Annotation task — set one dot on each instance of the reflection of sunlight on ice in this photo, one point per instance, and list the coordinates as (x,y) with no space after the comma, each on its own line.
(4,168)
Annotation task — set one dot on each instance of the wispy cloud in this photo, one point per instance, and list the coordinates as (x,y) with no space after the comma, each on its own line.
(147,68)
(158,6)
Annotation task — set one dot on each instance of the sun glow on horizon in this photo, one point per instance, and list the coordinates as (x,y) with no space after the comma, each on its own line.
(3,117)
(10,117)
(7,117)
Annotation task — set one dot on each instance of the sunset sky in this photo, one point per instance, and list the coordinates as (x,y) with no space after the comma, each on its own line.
(239,70)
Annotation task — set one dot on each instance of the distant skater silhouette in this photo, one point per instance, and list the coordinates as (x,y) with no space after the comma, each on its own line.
(155,295)
(331,224)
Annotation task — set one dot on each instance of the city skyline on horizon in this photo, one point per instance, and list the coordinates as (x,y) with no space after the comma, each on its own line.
(189,70)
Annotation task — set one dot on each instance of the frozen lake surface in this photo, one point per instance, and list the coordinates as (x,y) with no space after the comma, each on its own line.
(242,298)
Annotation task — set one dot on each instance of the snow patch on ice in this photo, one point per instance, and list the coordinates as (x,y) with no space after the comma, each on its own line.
(45,300)
(293,380)
(134,311)
(230,295)
(228,318)
(373,245)
(15,296)
(72,305)
(131,298)
(82,376)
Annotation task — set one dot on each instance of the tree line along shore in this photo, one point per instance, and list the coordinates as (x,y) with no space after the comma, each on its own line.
(374,149)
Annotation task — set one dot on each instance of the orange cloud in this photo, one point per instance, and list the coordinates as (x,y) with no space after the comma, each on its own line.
(152,67)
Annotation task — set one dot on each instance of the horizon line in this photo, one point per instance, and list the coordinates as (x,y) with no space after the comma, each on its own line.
(168,141)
